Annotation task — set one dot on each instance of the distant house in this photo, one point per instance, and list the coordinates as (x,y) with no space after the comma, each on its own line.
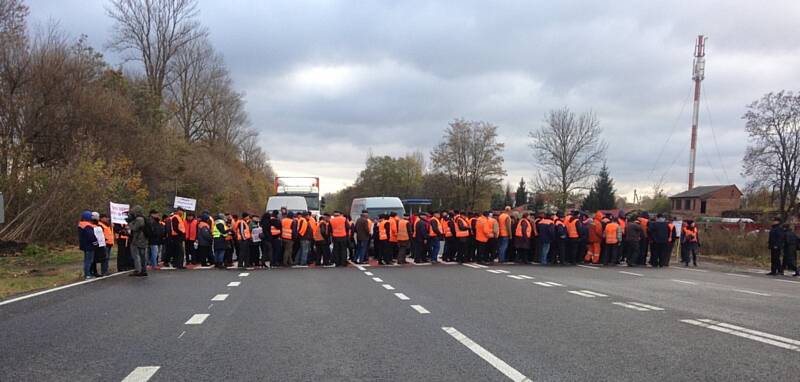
(707,200)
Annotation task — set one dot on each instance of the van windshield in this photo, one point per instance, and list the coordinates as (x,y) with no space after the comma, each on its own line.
(374,212)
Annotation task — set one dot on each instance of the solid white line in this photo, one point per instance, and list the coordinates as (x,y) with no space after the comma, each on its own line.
(377,279)
(594,293)
(737,274)
(752,292)
(526,277)
(420,309)
(586,266)
(481,266)
(234,283)
(629,306)
(197,319)
(581,294)
(402,296)
(27,296)
(471,266)
(515,277)
(141,374)
(359,267)
(690,269)
(651,307)
(244,274)
(498,363)
(783,281)
(220,297)
(631,273)
(544,284)
(684,282)
(742,334)
(755,332)
(388,287)
(368,273)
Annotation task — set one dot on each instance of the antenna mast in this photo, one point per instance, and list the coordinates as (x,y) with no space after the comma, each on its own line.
(698,73)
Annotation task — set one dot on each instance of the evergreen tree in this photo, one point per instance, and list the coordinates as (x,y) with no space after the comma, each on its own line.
(522,193)
(601,195)
(508,201)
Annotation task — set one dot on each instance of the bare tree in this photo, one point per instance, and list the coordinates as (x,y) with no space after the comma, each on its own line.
(471,157)
(154,31)
(568,149)
(773,156)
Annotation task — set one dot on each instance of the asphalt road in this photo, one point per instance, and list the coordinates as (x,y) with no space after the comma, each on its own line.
(448,323)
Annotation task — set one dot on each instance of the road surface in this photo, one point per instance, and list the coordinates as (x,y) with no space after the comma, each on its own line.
(416,322)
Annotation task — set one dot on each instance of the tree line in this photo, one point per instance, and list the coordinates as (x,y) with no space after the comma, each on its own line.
(77,132)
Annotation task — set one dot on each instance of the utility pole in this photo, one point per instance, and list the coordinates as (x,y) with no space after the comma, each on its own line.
(698,73)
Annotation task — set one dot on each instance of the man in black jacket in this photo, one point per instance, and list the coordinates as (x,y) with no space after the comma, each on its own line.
(421,238)
(776,241)
(659,235)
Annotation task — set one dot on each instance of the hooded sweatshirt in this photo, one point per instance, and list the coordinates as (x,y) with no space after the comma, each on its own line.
(136,226)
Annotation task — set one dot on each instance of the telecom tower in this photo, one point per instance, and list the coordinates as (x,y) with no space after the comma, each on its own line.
(698,73)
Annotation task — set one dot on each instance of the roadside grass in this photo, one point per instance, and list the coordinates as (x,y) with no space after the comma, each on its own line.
(39,268)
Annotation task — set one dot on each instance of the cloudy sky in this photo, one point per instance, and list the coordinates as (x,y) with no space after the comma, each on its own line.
(327,81)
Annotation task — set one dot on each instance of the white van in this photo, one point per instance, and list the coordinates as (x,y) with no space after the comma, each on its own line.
(376,206)
(291,203)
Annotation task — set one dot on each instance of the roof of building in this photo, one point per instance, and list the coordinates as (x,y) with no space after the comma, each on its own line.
(702,191)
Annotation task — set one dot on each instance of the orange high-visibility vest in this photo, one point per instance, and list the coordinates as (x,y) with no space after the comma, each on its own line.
(181,225)
(483,229)
(690,234)
(503,221)
(431,232)
(241,223)
(338,226)
(312,223)
(382,234)
(317,228)
(461,232)
(402,230)
(445,227)
(572,227)
(191,230)
(643,222)
(611,233)
(527,231)
(275,231)
(286,228)
(393,230)
(108,234)
(302,227)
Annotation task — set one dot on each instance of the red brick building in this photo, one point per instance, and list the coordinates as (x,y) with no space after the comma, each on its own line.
(706,201)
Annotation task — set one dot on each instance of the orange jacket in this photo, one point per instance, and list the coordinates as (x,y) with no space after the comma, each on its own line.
(612,233)
(338,226)
(502,220)
(572,227)
(108,234)
(483,229)
(191,230)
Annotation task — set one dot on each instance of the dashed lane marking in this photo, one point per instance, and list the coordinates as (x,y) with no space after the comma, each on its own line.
(587,266)
(420,309)
(738,274)
(788,281)
(388,287)
(548,284)
(631,273)
(526,277)
(771,339)
(684,282)
(220,297)
(368,273)
(141,374)
(471,266)
(630,306)
(497,363)
(377,279)
(515,277)
(579,293)
(234,283)
(402,296)
(495,271)
(594,293)
(360,268)
(651,307)
(197,319)
(244,274)
(752,292)
(691,269)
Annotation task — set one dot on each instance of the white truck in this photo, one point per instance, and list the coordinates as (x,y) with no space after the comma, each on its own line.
(376,206)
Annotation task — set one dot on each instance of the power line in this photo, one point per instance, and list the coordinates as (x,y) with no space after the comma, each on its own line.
(671,133)
(714,136)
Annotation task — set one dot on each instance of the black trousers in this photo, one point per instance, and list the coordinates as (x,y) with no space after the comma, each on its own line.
(790,258)
(483,251)
(340,251)
(689,253)
(204,255)
(642,252)
(631,253)
(266,251)
(243,254)
(420,250)
(775,260)
(659,252)
(254,254)
(190,252)
(450,249)
(462,244)
(277,252)
(612,254)
(572,251)
(175,250)
(324,252)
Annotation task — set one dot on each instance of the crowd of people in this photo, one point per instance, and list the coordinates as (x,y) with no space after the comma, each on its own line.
(299,239)
(783,246)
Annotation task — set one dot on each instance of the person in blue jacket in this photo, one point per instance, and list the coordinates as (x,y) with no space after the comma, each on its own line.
(88,242)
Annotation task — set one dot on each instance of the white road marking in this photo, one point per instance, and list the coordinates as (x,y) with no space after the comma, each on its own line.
(210,305)
(402,296)
(691,269)
(181,335)
(554,284)
(526,277)
(141,374)
(388,287)
(377,279)
(471,266)
(368,273)
(495,271)
(752,292)
(197,319)
(594,293)
(629,306)
(515,277)
(234,283)
(631,273)
(497,363)
(684,282)
(449,262)
(586,266)
(788,281)
(360,268)
(544,284)
(743,334)
(737,274)
(502,271)
(651,307)
(244,274)
(27,296)
(581,294)
(220,297)
(481,266)
(420,309)
(755,332)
